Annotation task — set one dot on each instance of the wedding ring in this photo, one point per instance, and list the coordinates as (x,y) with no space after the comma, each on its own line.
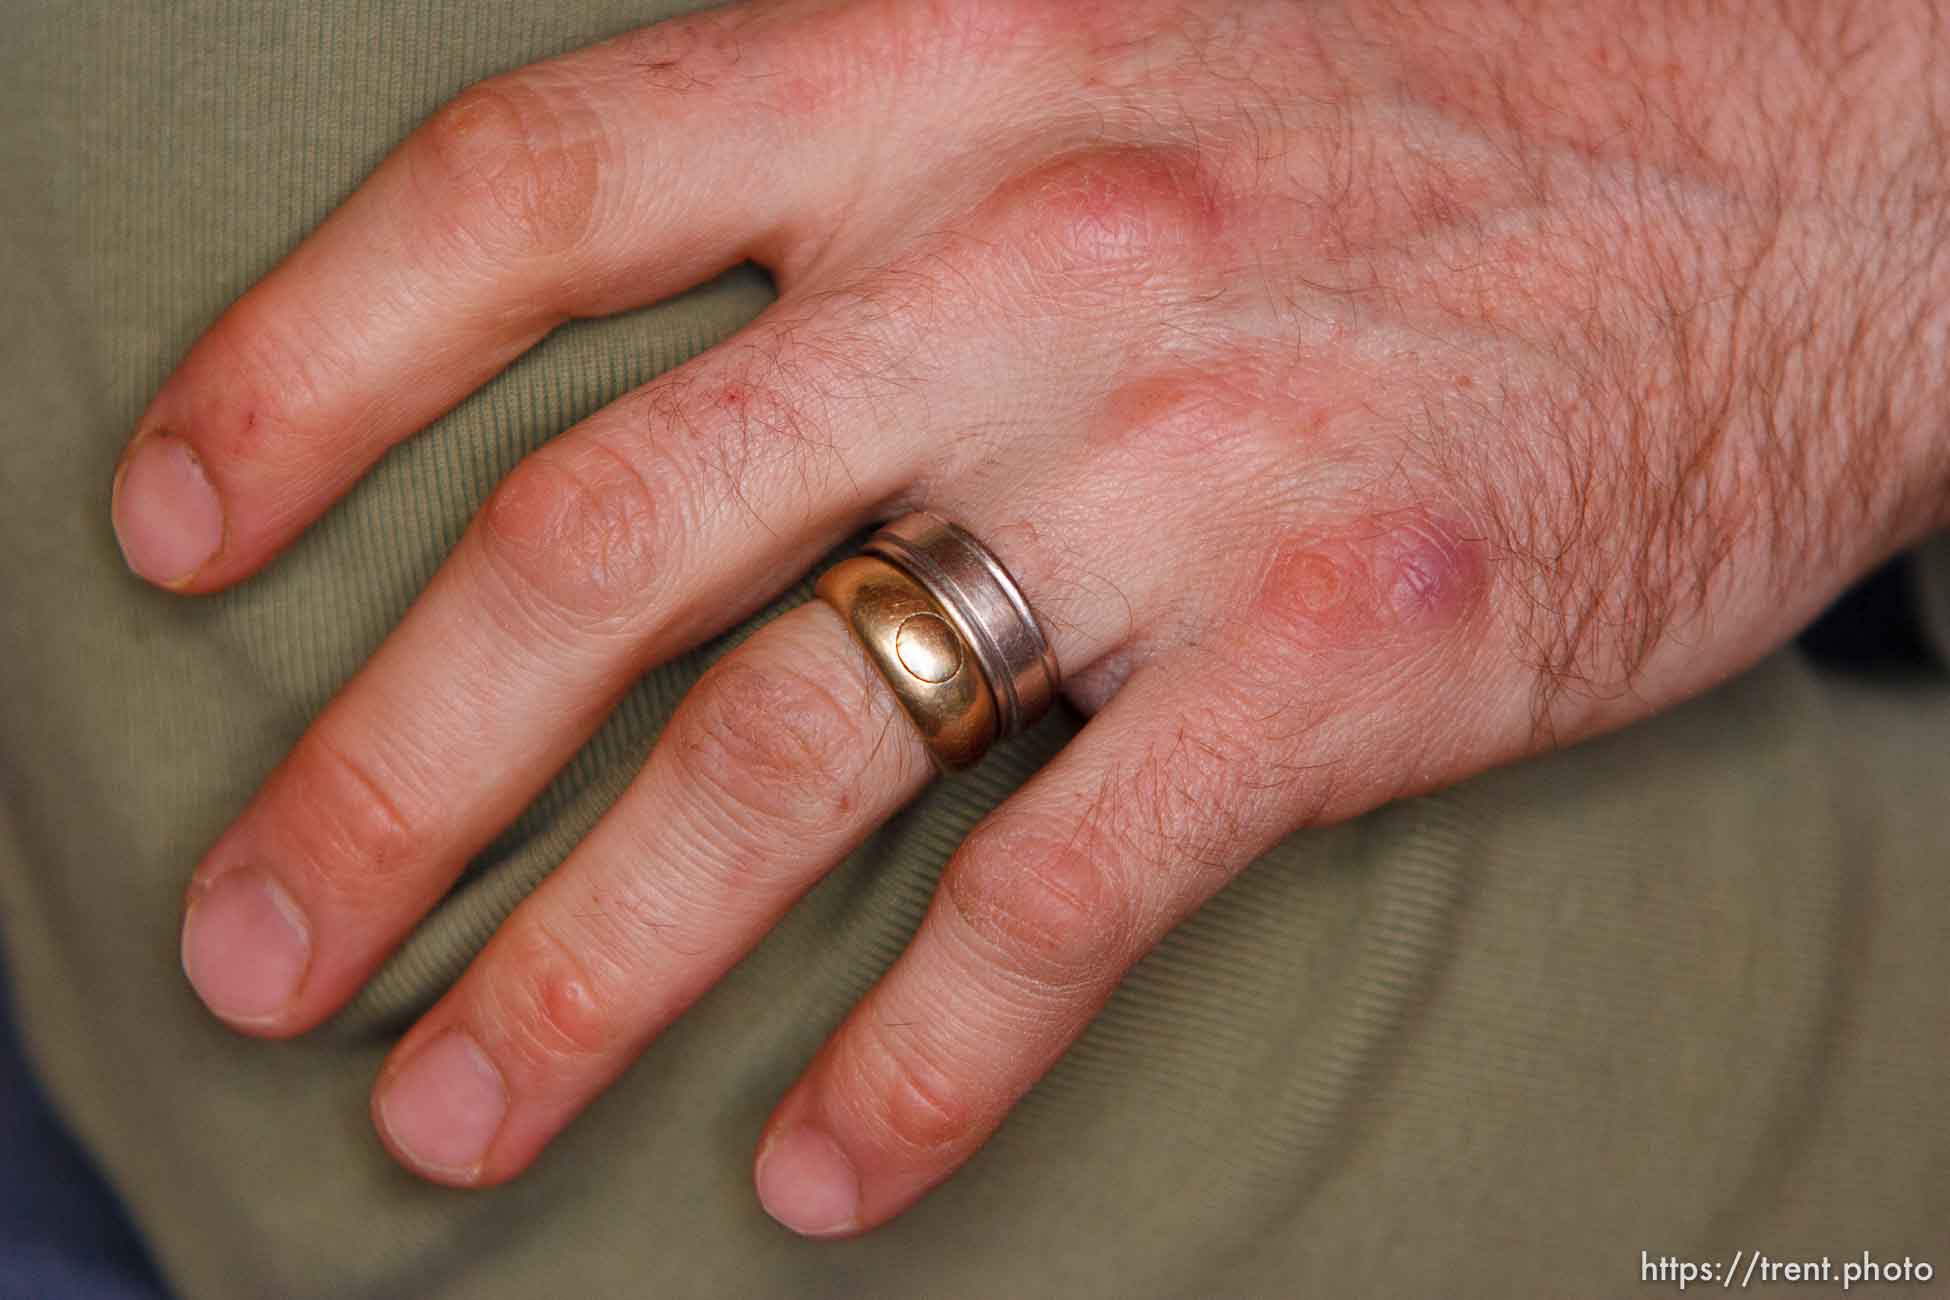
(947,627)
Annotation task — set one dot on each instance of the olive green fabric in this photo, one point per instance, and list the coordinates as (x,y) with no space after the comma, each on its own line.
(1681,991)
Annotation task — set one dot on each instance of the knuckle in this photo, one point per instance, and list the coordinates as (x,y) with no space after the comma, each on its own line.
(513,163)
(347,817)
(581,535)
(1373,583)
(919,1104)
(771,750)
(1183,809)
(1108,219)
(758,427)
(1047,909)
(546,1008)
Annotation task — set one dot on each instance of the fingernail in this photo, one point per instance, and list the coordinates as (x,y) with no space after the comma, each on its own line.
(168,519)
(245,947)
(806,1182)
(444,1106)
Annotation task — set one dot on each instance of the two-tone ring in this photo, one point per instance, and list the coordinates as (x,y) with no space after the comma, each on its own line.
(947,627)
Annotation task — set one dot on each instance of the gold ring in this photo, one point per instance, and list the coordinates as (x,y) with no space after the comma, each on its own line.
(948,628)
(912,643)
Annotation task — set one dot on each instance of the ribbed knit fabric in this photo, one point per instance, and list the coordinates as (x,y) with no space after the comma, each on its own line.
(1681,991)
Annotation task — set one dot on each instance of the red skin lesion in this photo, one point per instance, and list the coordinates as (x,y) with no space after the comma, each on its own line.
(1375,579)
(1168,414)
(1143,402)
(1193,411)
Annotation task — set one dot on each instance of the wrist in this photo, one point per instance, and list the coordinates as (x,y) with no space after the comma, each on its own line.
(1889,182)
(1847,156)
(1786,178)
(1868,168)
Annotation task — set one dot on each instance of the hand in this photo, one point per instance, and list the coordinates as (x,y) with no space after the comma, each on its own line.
(1365,395)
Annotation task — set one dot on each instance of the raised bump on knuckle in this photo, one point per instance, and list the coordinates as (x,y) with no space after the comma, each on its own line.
(1380,581)
(1048,909)
(1109,218)
(515,164)
(549,1007)
(346,818)
(917,1103)
(582,536)
(772,749)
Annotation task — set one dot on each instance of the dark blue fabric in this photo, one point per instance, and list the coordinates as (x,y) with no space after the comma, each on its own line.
(63,1236)
(1876,626)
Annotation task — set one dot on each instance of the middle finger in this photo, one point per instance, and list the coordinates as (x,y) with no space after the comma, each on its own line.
(777,762)
(661,519)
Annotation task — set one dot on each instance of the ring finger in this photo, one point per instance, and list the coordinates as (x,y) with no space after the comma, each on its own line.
(778,762)
(780,759)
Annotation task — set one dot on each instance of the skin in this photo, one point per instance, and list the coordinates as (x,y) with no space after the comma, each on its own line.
(1365,395)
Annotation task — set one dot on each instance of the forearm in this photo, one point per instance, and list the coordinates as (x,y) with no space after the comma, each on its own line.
(1787,164)
(1725,231)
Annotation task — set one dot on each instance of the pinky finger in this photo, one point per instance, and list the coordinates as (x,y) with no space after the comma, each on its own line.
(1038,917)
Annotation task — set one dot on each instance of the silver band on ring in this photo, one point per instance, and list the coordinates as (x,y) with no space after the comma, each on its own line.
(987,608)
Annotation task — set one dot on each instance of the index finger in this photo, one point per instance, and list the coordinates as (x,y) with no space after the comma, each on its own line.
(600,180)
